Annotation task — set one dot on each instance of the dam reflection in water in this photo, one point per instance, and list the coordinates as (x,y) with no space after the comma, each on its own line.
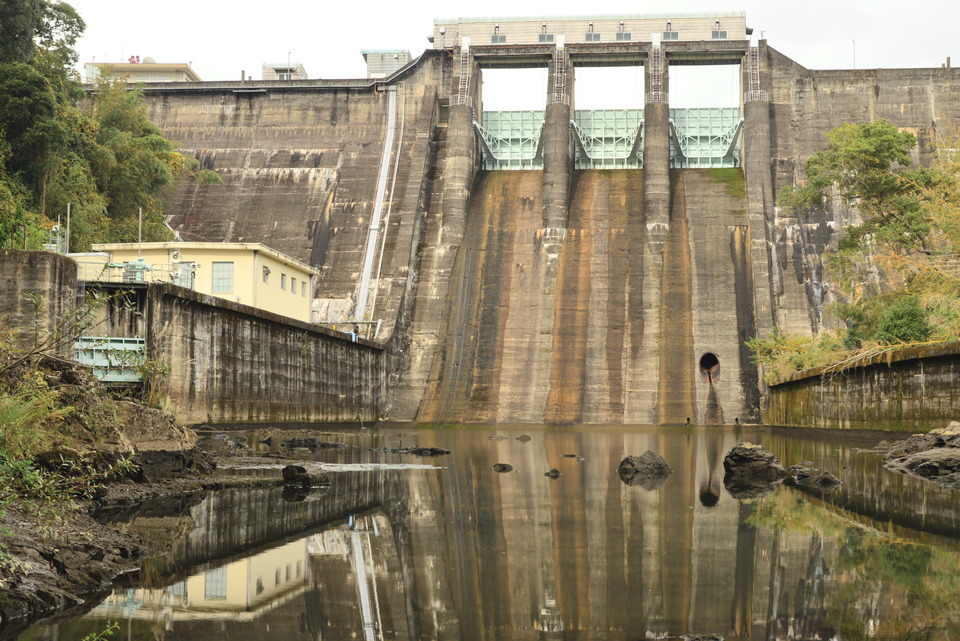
(458,551)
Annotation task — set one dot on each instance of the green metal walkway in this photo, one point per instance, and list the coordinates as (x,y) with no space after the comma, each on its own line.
(613,138)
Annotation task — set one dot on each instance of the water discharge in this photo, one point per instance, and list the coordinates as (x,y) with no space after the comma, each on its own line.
(462,552)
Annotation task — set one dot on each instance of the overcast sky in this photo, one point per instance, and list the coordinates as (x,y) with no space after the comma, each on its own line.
(220,39)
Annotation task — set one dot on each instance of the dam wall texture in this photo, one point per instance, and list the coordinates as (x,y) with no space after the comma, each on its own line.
(557,295)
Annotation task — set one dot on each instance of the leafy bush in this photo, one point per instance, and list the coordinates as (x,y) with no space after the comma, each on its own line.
(903,322)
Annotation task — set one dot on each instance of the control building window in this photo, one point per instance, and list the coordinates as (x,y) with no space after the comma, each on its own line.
(222,275)
(593,37)
(670,35)
(215,583)
(293,285)
(623,36)
(266,274)
(544,36)
(283,282)
(303,289)
(496,38)
(719,35)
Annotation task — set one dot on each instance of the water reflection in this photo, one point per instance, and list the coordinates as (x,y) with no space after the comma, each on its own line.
(464,553)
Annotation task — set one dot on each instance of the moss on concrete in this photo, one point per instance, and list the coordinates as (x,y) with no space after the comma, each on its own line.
(732,178)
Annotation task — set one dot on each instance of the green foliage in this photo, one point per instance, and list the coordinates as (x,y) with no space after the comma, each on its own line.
(897,274)
(133,162)
(106,159)
(28,119)
(37,415)
(903,322)
(112,626)
(19,20)
(22,417)
(781,354)
(863,162)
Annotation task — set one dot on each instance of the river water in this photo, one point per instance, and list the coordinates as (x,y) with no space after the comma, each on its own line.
(445,547)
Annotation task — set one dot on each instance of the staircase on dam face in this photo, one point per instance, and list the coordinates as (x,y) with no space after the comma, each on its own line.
(596,329)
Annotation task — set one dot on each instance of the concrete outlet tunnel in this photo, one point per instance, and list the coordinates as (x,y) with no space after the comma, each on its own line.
(559,265)
(710,368)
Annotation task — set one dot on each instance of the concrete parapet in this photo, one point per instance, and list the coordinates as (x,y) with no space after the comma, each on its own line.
(908,389)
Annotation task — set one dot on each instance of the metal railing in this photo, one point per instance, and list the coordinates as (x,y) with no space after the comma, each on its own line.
(182,274)
(113,359)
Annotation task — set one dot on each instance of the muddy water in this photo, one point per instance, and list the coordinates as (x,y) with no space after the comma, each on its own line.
(407,547)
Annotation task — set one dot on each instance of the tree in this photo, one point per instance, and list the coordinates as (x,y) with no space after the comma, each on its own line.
(28,120)
(59,146)
(18,26)
(133,162)
(866,164)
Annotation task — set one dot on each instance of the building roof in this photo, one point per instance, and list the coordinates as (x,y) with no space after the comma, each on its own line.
(120,69)
(234,247)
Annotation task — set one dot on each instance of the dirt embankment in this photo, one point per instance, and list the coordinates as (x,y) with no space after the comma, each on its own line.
(53,557)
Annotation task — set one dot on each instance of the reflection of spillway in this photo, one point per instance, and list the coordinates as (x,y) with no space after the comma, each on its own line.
(612,138)
(465,554)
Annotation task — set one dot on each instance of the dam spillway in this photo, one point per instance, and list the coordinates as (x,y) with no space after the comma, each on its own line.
(563,329)
(560,294)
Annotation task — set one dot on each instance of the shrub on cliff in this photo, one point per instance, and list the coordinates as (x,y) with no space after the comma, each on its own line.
(903,322)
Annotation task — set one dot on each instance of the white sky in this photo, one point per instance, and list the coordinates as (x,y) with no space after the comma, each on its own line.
(220,39)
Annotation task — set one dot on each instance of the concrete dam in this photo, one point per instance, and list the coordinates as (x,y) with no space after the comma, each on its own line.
(556,272)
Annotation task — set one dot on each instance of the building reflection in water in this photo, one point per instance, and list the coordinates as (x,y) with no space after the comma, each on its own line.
(464,553)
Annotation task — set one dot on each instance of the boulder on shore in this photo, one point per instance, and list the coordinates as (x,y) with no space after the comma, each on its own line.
(934,456)
(649,470)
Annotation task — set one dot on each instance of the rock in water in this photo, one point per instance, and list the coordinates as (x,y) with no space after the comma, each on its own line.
(749,461)
(827,481)
(649,470)
(298,475)
(751,472)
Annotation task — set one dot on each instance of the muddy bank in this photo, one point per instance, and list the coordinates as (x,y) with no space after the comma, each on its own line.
(68,563)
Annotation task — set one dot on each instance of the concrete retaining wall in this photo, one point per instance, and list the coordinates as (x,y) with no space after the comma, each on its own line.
(912,389)
(232,363)
(39,293)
